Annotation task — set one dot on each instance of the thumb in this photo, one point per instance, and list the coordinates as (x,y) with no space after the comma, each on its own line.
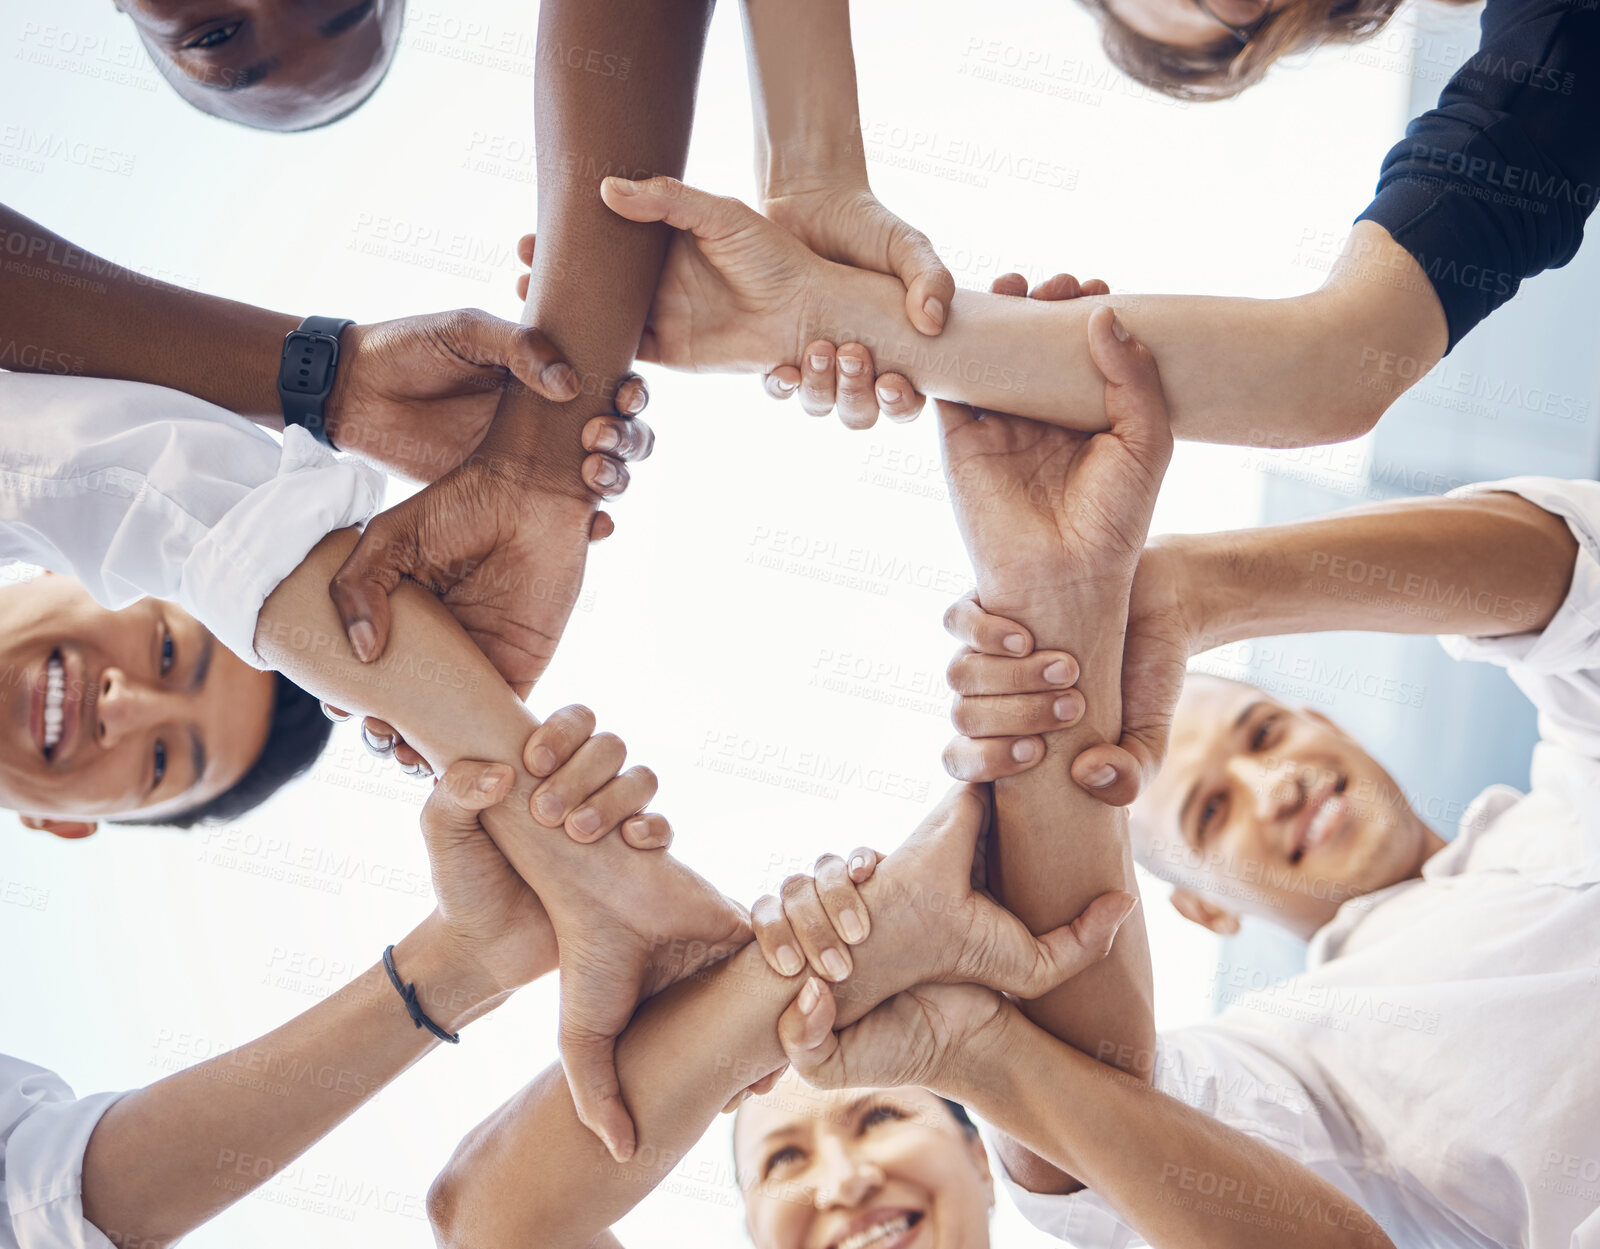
(591,1067)
(1135,404)
(805,1030)
(704,215)
(360,589)
(465,789)
(1064,952)
(929,286)
(1114,774)
(527,354)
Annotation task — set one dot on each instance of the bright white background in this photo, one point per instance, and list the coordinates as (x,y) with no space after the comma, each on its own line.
(146,950)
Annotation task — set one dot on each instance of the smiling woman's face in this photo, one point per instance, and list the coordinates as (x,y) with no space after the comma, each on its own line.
(860,1169)
(273,64)
(139,712)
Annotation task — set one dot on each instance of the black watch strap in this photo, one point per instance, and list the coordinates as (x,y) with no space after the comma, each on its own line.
(305,376)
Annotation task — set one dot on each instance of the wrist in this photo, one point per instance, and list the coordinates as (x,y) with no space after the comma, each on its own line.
(453,987)
(1199,575)
(980,1072)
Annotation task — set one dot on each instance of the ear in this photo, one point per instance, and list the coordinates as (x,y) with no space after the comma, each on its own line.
(1192,906)
(980,1160)
(69,830)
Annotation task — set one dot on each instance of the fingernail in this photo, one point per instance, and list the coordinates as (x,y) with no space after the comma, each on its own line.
(810,995)
(622,1153)
(819,363)
(858,863)
(559,379)
(789,961)
(851,926)
(624,186)
(606,474)
(888,395)
(1066,708)
(1025,751)
(364,641)
(489,781)
(543,761)
(784,384)
(1056,673)
(1016,644)
(606,439)
(1128,909)
(1101,776)
(935,310)
(849,365)
(1118,329)
(587,821)
(636,400)
(334,714)
(834,964)
(548,808)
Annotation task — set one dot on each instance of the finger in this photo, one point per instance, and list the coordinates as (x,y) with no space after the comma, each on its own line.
(863,864)
(929,286)
(649,831)
(776,936)
(620,437)
(1013,284)
(601,527)
(760,1088)
(360,589)
(820,943)
(527,352)
(1112,774)
(590,1063)
(337,714)
(805,1030)
(605,476)
(966,621)
(840,901)
(633,395)
(378,737)
(897,398)
(858,403)
(629,794)
(1061,286)
(1043,672)
(1094,286)
(682,207)
(465,789)
(525,246)
(1064,952)
(1015,715)
(593,765)
(817,379)
(410,760)
(979,759)
(557,739)
(782,382)
(522,286)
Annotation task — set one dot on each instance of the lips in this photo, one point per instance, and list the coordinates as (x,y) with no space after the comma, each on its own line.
(880,1229)
(1323,817)
(56,708)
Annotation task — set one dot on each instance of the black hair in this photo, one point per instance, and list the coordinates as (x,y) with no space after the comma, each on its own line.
(295,739)
(959,1113)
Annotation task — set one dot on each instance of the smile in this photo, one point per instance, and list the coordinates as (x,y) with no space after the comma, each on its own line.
(1325,818)
(880,1233)
(55,701)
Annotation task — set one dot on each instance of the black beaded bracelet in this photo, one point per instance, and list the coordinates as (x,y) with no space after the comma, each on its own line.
(408,995)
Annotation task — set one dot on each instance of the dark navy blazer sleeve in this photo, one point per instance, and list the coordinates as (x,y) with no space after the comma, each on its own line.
(1495,184)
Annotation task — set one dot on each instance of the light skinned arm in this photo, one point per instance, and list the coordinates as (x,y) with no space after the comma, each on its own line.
(1321,367)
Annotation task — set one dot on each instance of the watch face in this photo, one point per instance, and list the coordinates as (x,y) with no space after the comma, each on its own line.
(308,363)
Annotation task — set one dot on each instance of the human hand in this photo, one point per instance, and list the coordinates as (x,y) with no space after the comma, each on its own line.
(415,395)
(999,705)
(844,375)
(1054,517)
(817,918)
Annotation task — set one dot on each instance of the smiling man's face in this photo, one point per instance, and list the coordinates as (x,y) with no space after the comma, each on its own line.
(271,64)
(136,713)
(1273,811)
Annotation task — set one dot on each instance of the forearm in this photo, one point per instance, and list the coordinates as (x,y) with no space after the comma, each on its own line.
(64,310)
(594,274)
(1288,372)
(803,93)
(1484,566)
(164,1159)
(1174,1174)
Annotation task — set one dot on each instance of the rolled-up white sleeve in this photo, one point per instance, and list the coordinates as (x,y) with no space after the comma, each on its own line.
(138,490)
(44,1130)
(1559,667)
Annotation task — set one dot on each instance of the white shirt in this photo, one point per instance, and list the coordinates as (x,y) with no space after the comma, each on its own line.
(138,490)
(1439,1061)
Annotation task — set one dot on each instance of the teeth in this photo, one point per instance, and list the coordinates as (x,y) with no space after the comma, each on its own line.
(880,1231)
(1322,823)
(55,697)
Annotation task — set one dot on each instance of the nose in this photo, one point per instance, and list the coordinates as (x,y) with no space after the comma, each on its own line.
(126,707)
(1276,785)
(842,1178)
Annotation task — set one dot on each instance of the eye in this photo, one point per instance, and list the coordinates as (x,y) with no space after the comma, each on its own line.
(1208,812)
(160,764)
(169,650)
(780,1159)
(215,37)
(1261,736)
(879,1114)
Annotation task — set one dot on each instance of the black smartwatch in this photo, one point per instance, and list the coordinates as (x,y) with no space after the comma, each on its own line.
(305,377)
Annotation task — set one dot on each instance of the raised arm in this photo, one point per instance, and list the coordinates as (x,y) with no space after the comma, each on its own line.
(504,538)
(1310,369)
